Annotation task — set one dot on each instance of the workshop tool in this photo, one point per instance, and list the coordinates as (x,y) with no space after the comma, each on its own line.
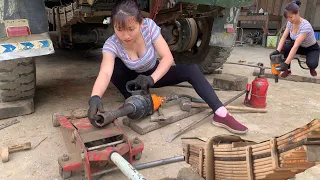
(275,61)
(145,165)
(161,117)
(9,123)
(11,149)
(187,105)
(249,65)
(140,106)
(137,106)
(258,95)
(93,150)
(172,113)
(235,158)
(181,131)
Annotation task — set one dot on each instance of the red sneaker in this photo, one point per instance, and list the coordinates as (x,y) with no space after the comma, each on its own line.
(230,124)
(313,72)
(285,73)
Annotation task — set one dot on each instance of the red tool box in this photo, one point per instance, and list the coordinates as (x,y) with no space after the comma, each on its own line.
(89,148)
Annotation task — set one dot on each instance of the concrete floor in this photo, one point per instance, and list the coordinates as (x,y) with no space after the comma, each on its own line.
(64,83)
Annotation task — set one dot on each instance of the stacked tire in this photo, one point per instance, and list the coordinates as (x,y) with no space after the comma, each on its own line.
(17,79)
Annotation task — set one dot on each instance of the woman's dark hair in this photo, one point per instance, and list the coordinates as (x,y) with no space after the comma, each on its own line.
(292,7)
(124,9)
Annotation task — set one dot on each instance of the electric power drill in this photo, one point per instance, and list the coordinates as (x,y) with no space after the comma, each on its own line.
(275,61)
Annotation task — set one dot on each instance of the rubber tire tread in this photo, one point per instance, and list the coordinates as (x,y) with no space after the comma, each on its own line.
(17,79)
(215,59)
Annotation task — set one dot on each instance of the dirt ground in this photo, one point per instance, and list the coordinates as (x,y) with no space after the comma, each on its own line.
(64,83)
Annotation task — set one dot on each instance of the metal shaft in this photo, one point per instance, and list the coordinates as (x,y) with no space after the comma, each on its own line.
(109,116)
(127,169)
(181,131)
(159,162)
(127,109)
(147,165)
(235,97)
(250,65)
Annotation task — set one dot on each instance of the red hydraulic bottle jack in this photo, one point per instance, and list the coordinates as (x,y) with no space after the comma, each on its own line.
(258,87)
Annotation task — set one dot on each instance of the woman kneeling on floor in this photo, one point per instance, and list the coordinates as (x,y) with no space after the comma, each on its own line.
(130,54)
(302,40)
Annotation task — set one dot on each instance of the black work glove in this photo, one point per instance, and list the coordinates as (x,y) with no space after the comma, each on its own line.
(276,52)
(95,105)
(143,82)
(282,67)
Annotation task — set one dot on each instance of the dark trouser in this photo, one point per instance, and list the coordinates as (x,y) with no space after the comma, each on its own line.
(312,54)
(176,74)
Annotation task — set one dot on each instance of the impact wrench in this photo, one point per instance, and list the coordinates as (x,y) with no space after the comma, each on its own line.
(137,106)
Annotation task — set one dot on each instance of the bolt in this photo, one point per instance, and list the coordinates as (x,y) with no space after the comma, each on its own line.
(136,141)
(65,157)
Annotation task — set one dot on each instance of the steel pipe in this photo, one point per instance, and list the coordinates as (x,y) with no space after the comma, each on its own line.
(127,169)
(146,165)
(159,162)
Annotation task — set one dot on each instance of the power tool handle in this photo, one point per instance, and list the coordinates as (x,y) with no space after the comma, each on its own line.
(132,88)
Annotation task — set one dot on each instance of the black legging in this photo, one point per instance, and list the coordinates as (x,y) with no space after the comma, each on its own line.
(176,74)
(312,54)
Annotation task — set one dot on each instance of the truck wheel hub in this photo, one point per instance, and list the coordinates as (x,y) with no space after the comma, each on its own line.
(187,34)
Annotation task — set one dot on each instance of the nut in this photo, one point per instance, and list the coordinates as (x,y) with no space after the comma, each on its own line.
(65,157)
(136,141)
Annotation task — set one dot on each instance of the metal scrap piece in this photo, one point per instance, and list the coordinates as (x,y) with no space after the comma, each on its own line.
(9,123)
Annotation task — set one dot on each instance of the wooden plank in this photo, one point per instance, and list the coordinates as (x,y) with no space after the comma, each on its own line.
(269,6)
(311,11)
(277,7)
(316,21)
(173,114)
(263,5)
(272,7)
(303,8)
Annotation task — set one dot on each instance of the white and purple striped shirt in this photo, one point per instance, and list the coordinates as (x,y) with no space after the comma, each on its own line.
(305,27)
(150,32)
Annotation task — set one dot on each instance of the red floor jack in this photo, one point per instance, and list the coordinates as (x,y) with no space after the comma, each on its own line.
(94,149)
(258,88)
(96,146)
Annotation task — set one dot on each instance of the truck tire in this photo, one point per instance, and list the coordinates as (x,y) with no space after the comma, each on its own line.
(17,79)
(215,59)
(209,58)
